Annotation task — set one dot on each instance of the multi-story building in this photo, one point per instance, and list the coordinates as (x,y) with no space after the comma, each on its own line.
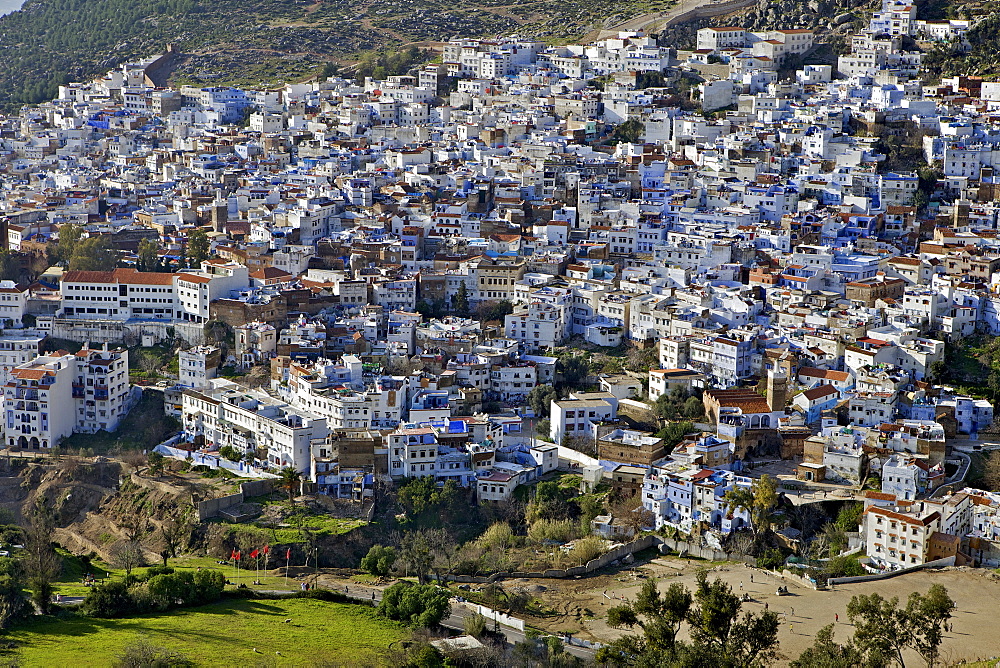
(577,417)
(264,429)
(53,396)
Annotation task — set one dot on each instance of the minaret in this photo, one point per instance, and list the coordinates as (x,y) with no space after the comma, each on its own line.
(220,212)
(777,389)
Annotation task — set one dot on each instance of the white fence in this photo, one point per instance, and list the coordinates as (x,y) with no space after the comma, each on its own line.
(496,616)
(212,461)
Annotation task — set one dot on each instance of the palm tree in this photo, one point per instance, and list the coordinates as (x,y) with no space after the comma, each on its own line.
(290,479)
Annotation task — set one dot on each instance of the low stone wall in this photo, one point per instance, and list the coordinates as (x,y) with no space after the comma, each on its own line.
(939,563)
(702,552)
(594,564)
(212,507)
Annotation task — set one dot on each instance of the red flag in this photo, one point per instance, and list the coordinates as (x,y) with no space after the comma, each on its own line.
(238,556)
(288,554)
(233,555)
(253,555)
(267,549)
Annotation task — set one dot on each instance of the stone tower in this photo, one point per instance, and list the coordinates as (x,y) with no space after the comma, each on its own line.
(777,389)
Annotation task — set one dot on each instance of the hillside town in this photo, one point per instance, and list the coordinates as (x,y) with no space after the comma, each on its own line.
(525,258)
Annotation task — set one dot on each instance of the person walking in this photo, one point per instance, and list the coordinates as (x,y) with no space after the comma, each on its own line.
(836,618)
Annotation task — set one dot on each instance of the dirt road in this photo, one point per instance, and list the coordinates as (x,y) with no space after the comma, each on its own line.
(682,11)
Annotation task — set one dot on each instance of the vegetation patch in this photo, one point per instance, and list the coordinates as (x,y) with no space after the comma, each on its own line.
(224,633)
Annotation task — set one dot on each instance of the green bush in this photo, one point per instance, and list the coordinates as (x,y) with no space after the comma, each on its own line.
(379,560)
(111,599)
(161,591)
(418,605)
(772,560)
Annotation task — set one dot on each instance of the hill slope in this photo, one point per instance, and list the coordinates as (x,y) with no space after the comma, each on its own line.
(50,42)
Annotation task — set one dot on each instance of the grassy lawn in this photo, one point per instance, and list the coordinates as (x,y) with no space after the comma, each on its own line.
(220,634)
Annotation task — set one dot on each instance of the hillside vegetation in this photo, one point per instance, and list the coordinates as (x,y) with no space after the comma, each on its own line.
(259,42)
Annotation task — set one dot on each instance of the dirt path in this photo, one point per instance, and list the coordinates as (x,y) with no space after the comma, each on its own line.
(682,11)
(803,612)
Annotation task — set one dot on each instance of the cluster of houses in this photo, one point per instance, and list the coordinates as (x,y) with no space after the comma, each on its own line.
(407,256)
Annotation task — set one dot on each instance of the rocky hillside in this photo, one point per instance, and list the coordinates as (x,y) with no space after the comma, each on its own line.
(98,504)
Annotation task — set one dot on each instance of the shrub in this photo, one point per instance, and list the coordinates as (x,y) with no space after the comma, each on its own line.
(498,537)
(379,560)
(475,625)
(143,654)
(587,548)
(419,605)
(111,599)
(771,559)
(562,531)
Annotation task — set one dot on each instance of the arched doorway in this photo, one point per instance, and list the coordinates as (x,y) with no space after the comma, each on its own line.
(34,443)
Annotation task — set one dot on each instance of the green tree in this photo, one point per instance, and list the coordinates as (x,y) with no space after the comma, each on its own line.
(758,501)
(290,480)
(42,564)
(883,630)
(716,625)
(148,255)
(422,495)
(849,516)
(719,635)
(540,399)
(631,131)
(826,653)
(693,408)
(417,605)
(379,560)
(658,615)
(674,433)
(230,453)
(494,310)
(198,246)
(10,266)
(573,370)
(93,254)
(13,605)
(155,461)
(460,304)
(69,235)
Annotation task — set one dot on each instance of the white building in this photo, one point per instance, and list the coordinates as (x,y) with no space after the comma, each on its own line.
(51,397)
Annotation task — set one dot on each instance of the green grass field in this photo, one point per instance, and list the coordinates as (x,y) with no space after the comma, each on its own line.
(220,634)
(70,583)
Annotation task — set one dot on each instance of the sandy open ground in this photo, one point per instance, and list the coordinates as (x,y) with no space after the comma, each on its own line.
(975,631)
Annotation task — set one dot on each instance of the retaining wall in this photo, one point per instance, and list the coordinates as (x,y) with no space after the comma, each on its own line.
(939,563)
(693,550)
(212,507)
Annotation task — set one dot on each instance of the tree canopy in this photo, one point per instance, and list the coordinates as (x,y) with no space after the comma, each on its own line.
(417,605)
(719,635)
